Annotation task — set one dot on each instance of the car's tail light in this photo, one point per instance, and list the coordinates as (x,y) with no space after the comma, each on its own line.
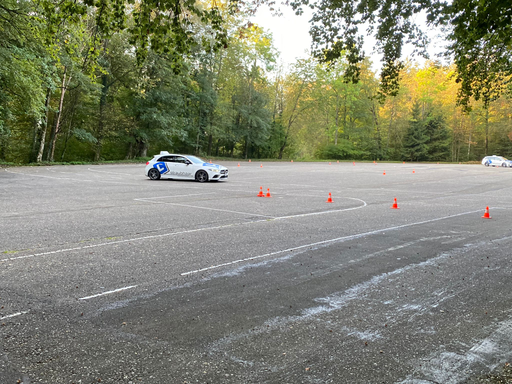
(147,163)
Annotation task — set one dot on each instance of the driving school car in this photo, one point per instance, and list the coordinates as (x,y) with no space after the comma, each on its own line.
(496,161)
(184,167)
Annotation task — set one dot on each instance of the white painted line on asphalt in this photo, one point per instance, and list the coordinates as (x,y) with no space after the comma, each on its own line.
(207,208)
(123,241)
(13,315)
(325,212)
(268,218)
(107,293)
(324,242)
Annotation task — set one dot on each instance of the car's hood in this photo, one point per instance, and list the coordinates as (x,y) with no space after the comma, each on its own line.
(218,166)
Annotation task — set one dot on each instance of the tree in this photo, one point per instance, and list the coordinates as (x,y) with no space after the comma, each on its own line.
(158,105)
(480,35)
(438,142)
(290,103)
(415,142)
(24,75)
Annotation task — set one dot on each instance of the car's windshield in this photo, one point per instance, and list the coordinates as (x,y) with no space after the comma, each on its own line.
(195,160)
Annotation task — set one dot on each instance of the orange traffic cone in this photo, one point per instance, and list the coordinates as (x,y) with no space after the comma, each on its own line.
(329,200)
(353,163)
(404,162)
(238,164)
(261,192)
(268,193)
(395,205)
(261,165)
(329,163)
(292,161)
(413,171)
(384,173)
(486,214)
(249,160)
(338,161)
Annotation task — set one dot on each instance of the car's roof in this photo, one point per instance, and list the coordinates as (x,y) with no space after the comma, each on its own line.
(165,153)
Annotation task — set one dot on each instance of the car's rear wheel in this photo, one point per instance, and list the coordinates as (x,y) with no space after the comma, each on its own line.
(503,164)
(201,176)
(154,174)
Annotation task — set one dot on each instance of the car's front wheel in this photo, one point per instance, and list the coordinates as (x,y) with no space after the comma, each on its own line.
(154,174)
(201,176)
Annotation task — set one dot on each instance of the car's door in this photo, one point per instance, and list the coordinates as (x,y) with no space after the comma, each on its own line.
(162,166)
(180,168)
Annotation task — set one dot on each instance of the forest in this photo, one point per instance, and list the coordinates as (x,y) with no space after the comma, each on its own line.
(83,82)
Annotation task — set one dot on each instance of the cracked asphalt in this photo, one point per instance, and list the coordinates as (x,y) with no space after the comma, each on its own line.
(107,276)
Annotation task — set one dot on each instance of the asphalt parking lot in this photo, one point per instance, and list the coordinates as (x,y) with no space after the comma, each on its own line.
(107,276)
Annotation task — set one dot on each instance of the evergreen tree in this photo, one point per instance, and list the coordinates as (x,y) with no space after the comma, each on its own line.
(415,141)
(438,138)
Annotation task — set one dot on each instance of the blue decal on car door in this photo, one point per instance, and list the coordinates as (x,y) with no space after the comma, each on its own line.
(162,168)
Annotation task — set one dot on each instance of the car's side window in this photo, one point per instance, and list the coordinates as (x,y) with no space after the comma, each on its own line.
(167,159)
(180,159)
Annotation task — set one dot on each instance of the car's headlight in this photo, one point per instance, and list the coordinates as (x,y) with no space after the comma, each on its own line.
(214,170)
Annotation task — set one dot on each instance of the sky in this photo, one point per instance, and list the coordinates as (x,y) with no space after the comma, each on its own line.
(290,32)
(292,39)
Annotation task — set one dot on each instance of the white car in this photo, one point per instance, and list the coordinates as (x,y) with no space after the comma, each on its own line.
(496,161)
(184,167)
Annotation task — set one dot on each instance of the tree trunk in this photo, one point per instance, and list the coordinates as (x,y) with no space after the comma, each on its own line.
(378,137)
(283,146)
(69,134)
(336,119)
(3,146)
(210,144)
(35,138)
(101,120)
(142,148)
(56,125)
(486,130)
(43,125)
(469,145)
(197,141)
(129,153)
(291,120)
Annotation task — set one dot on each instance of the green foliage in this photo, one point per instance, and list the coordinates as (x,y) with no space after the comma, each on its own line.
(415,142)
(480,32)
(438,142)
(107,80)
(343,150)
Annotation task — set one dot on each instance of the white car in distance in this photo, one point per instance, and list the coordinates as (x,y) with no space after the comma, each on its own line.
(183,167)
(496,161)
